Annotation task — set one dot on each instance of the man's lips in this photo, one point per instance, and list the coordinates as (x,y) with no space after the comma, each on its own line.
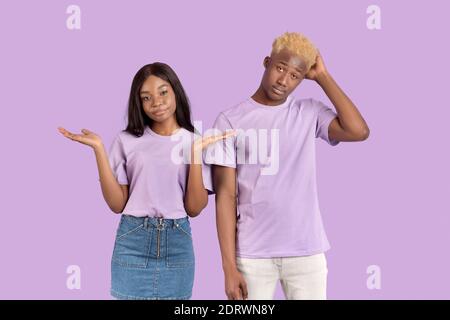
(278,90)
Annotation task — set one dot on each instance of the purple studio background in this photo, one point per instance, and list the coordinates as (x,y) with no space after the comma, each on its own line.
(383,201)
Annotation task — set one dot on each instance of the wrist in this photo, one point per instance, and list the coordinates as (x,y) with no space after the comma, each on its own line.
(229,267)
(98,147)
(196,156)
(323,77)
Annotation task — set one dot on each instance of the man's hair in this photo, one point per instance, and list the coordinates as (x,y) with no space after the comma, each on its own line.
(298,44)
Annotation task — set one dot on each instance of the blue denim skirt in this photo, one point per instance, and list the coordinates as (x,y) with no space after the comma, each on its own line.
(153,258)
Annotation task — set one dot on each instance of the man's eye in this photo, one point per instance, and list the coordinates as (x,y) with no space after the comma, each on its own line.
(279,68)
(294,76)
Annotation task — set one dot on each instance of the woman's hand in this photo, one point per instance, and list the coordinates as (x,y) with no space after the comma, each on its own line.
(203,142)
(87,137)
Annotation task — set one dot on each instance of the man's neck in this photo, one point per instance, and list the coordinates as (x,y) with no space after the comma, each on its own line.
(261,97)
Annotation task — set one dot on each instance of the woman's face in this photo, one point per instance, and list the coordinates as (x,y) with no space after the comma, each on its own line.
(158,99)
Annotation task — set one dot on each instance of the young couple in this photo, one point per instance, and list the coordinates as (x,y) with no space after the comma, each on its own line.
(268,222)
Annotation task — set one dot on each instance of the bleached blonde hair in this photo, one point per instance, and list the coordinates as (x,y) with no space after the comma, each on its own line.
(298,44)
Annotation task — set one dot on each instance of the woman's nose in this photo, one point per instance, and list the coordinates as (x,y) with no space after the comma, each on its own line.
(157,102)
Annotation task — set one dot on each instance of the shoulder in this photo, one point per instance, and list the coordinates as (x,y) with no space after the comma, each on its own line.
(309,105)
(123,136)
(123,140)
(316,104)
(302,103)
(238,110)
(185,135)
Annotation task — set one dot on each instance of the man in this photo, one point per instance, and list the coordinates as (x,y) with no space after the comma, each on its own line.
(268,218)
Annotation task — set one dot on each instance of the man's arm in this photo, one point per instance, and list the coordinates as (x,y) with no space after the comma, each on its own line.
(225,187)
(349,125)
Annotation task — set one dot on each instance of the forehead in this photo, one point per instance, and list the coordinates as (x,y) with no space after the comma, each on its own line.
(289,58)
(153,83)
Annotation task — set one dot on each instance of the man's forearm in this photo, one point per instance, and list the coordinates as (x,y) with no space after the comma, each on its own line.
(226,229)
(350,118)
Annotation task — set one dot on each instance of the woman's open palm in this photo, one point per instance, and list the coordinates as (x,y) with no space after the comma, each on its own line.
(86,137)
(203,142)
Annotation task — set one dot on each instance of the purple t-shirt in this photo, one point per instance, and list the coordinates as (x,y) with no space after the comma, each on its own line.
(155,168)
(274,156)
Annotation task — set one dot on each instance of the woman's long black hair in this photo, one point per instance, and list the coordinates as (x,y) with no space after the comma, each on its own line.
(137,119)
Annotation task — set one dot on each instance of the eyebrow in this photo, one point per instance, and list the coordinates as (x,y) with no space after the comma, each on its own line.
(163,85)
(284,63)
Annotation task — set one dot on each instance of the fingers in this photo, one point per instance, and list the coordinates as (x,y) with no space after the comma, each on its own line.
(238,294)
(65,133)
(227,134)
(86,131)
(62,130)
(244,290)
(69,135)
(235,295)
(213,139)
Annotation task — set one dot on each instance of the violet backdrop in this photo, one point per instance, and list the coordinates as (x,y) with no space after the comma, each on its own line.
(384,201)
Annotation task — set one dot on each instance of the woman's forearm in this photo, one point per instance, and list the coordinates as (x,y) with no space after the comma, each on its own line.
(113,193)
(196,197)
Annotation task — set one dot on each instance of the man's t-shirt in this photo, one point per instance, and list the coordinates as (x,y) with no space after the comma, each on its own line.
(274,156)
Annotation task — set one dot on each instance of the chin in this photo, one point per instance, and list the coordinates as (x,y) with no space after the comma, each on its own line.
(161,118)
(276,98)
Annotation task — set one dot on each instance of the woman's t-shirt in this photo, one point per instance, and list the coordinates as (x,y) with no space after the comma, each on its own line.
(155,168)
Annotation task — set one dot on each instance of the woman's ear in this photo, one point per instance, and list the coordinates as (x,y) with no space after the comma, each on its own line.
(266,62)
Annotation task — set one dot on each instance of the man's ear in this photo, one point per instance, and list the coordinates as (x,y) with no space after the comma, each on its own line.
(266,62)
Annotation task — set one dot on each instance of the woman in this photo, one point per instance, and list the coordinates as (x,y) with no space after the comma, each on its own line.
(144,179)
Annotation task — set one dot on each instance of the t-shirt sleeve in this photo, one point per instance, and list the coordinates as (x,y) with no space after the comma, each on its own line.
(324,117)
(207,177)
(117,161)
(222,152)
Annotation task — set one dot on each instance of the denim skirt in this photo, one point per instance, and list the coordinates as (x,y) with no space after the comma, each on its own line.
(153,258)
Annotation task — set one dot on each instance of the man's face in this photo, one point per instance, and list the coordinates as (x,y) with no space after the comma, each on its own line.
(284,72)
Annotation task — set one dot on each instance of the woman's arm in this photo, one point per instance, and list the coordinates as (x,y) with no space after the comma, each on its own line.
(115,195)
(196,196)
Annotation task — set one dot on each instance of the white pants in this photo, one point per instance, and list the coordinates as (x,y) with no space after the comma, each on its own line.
(302,278)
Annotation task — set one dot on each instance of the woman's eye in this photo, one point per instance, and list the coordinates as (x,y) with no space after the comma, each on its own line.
(145,98)
(163,93)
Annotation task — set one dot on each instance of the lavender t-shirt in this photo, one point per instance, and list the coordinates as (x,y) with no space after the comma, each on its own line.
(155,168)
(274,156)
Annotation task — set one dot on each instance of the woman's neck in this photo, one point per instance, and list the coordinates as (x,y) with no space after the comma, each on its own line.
(165,128)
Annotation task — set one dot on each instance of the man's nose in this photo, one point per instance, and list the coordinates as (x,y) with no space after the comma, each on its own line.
(282,80)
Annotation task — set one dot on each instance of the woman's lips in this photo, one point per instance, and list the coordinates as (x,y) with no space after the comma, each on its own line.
(159,112)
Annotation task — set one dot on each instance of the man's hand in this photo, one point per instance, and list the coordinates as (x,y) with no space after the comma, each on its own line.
(235,285)
(317,70)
